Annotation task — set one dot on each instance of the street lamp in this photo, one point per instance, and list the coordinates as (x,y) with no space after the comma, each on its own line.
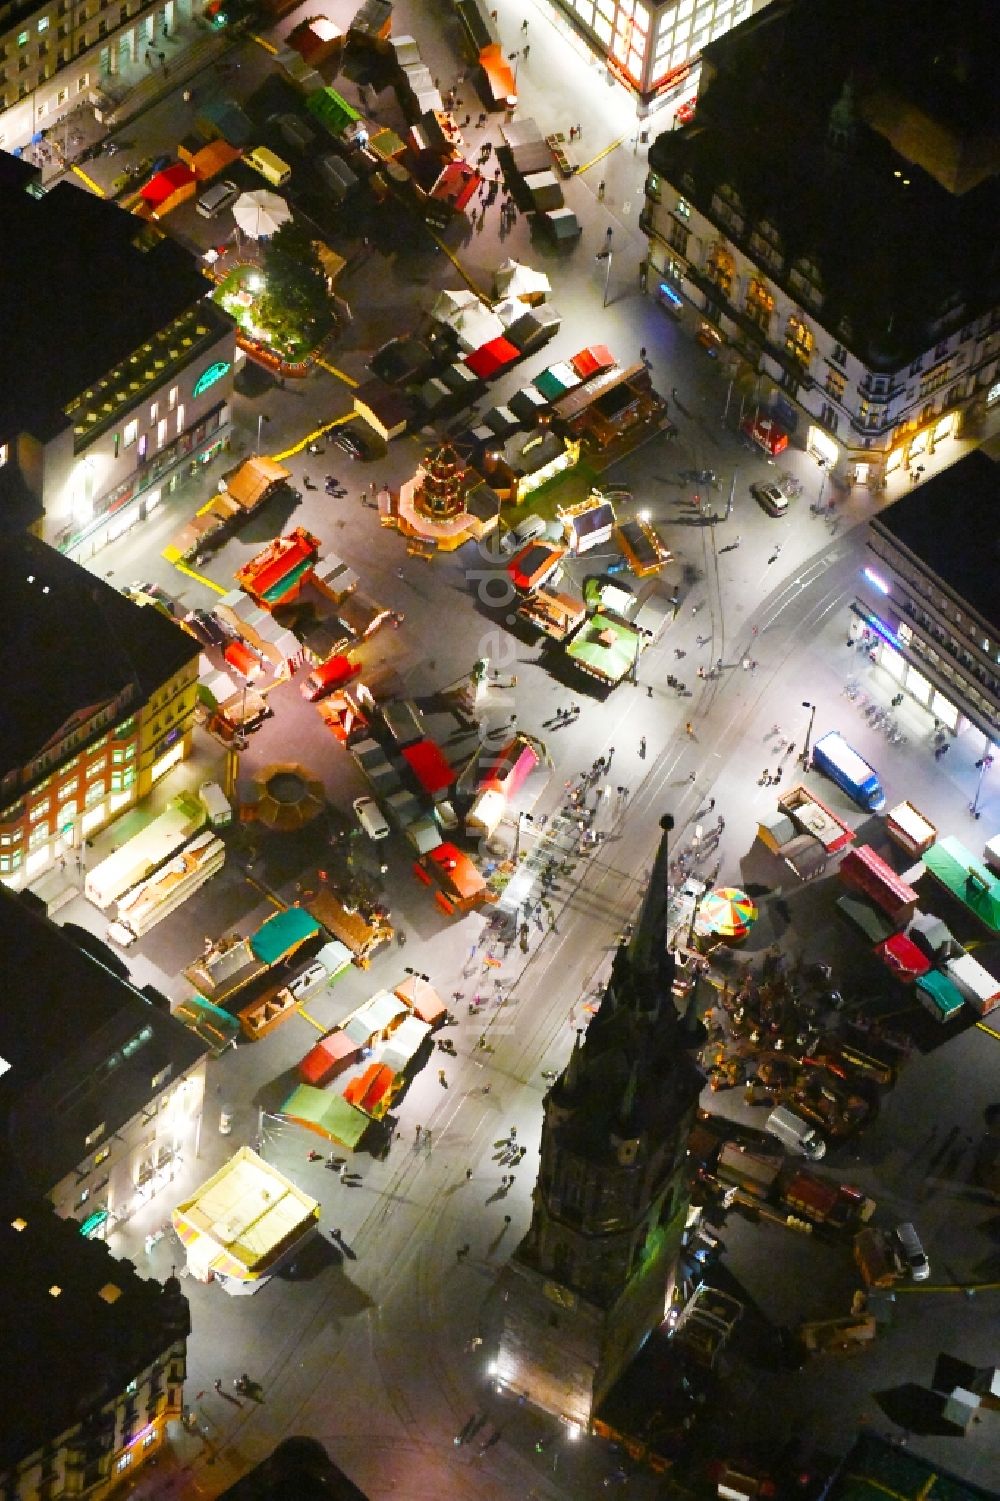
(605,255)
(515,58)
(262,417)
(809,730)
(984,763)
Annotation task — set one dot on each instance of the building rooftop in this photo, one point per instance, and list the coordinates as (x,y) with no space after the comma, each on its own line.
(299,1469)
(91,250)
(861,141)
(951,523)
(72,643)
(80,1047)
(83,1324)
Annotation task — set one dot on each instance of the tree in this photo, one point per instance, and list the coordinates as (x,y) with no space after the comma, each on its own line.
(294,305)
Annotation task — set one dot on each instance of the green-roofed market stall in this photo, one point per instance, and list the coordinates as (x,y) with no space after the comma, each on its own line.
(282,934)
(328,1114)
(967,879)
(332,110)
(605,647)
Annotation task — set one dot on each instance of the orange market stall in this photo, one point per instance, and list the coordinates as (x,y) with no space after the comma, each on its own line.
(459,879)
(167,189)
(244,1224)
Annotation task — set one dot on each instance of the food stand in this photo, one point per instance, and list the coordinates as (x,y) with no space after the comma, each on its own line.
(361,933)
(907,827)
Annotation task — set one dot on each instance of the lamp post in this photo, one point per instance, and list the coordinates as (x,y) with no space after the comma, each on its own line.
(985,762)
(605,255)
(262,417)
(515,58)
(809,729)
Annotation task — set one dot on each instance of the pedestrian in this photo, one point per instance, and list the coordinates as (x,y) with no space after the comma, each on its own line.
(513,1132)
(608,234)
(642,748)
(721,824)
(765,778)
(642,353)
(689,729)
(579,132)
(506,1219)
(524,27)
(468,1175)
(600,190)
(711,804)
(701,673)
(692,776)
(525,52)
(418,1134)
(607,758)
(649,691)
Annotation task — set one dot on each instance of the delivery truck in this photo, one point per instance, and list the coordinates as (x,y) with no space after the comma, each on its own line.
(825,1202)
(841,763)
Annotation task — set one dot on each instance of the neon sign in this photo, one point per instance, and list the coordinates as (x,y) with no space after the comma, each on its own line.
(210,376)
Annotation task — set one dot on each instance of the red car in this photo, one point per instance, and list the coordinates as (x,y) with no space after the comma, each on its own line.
(331,674)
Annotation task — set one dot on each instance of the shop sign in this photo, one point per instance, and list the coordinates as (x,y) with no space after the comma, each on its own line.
(209,377)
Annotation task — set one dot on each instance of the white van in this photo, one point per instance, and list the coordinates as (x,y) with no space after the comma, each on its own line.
(974,982)
(268,165)
(370,817)
(216,804)
(528,530)
(914,1254)
(795,1134)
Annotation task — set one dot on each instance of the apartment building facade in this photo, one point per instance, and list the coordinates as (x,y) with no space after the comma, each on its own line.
(56,54)
(831,224)
(97,1364)
(929,593)
(99,705)
(138,398)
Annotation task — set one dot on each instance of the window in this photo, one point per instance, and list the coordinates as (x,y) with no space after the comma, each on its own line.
(835,383)
(154,412)
(915,367)
(123,1463)
(683,208)
(172,398)
(43,24)
(829,417)
(161,432)
(180,419)
(94,1135)
(941,350)
(22,39)
(131,432)
(721,268)
(839,355)
(759,304)
(799,341)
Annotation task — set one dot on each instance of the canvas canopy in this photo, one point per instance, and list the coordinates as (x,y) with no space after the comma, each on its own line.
(329,1115)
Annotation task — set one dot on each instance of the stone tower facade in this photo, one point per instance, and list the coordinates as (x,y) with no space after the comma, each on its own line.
(593,1274)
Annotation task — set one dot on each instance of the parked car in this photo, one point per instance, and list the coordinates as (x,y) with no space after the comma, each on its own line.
(913,1254)
(371,818)
(529,529)
(220,196)
(773,500)
(349,442)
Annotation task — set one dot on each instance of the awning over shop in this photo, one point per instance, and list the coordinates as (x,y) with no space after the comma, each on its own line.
(380,1013)
(592,359)
(455,871)
(331,1055)
(422,999)
(282,934)
(765,432)
(329,1115)
(510,768)
(491,358)
(407,1040)
(946,1000)
(251,482)
(901,955)
(429,766)
(370,1090)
